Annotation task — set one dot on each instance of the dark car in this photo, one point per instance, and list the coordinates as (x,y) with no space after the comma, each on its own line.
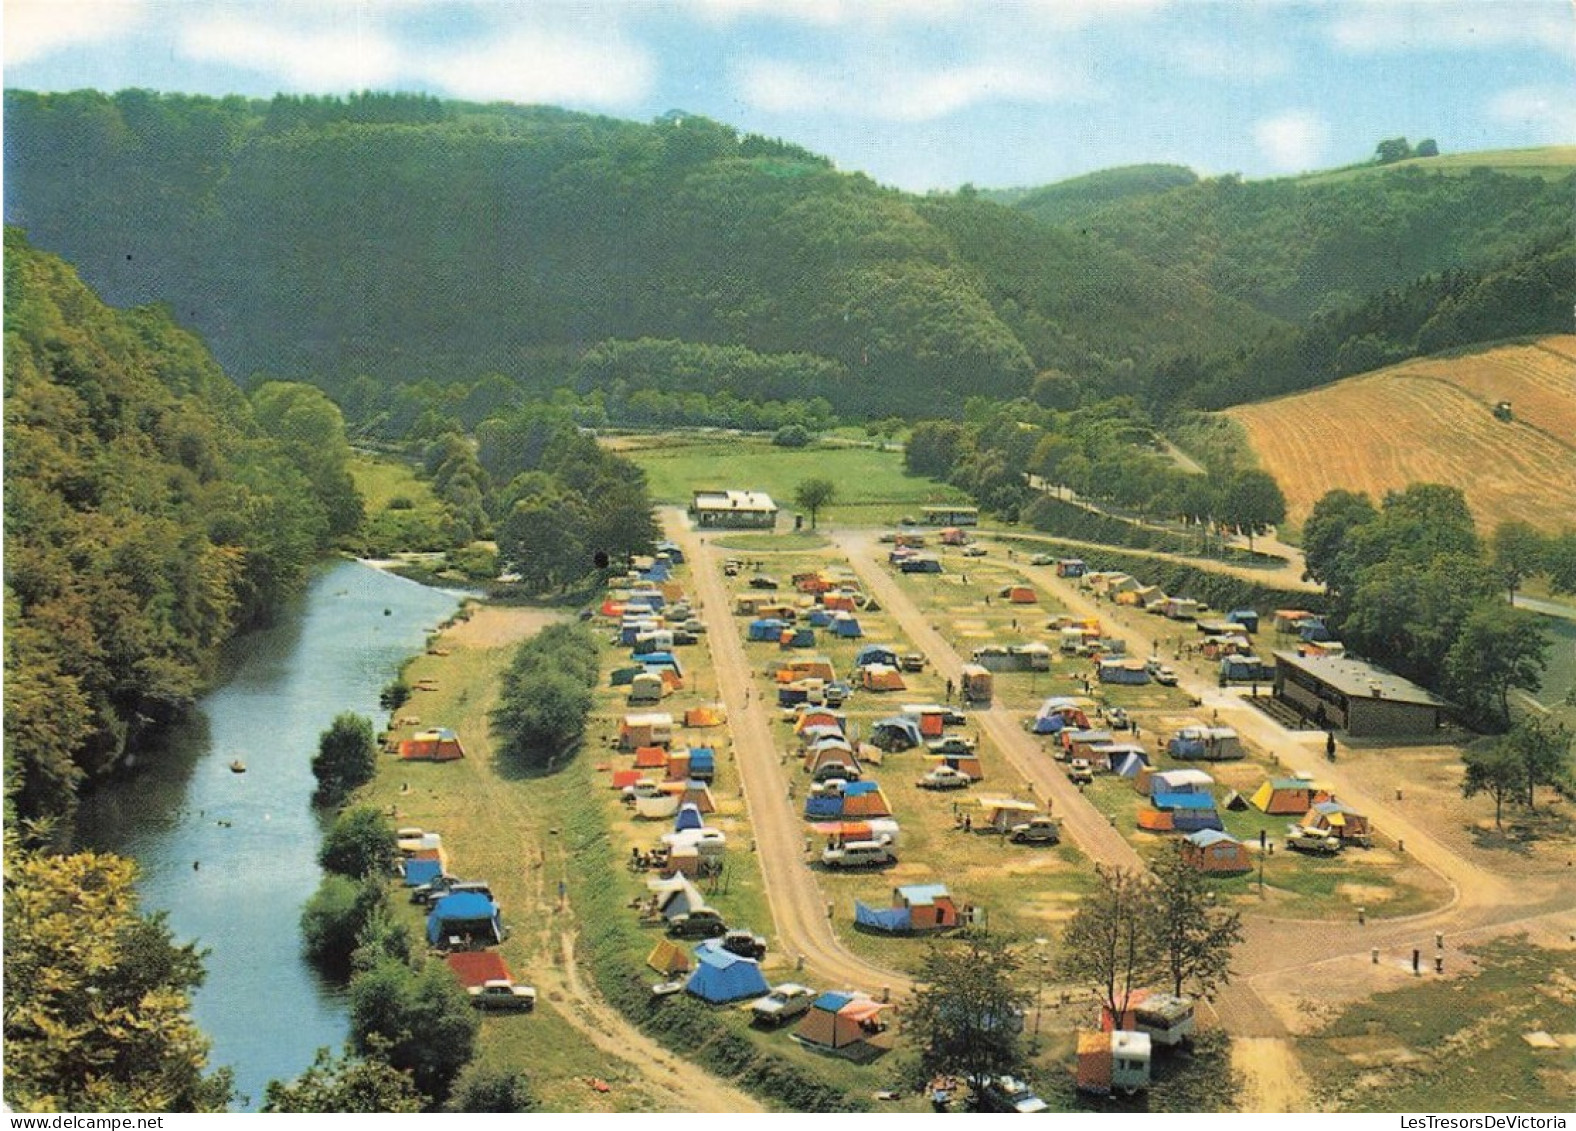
(761,581)
(745,944)
(702,923)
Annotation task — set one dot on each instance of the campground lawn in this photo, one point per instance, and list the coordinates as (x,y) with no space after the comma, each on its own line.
(872,487)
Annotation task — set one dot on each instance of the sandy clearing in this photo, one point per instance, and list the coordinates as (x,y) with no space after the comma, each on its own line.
(494,626)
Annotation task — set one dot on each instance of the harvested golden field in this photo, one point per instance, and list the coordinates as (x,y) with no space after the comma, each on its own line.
(1431,420)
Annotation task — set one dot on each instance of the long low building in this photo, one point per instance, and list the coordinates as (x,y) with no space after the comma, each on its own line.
(752,510)
(1355,696)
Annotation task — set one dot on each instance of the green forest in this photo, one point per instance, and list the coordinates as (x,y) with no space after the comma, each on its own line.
(398,251)
(150,511)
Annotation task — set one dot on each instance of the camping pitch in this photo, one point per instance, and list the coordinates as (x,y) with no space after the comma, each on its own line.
(721,976)
(440,745)
(843,1023)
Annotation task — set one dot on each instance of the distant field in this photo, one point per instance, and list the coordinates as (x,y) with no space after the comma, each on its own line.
(1550,162)
(1431,421)
(872,487)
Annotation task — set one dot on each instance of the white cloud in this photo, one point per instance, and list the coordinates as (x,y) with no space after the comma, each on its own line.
(825,13)
(899,94)
(1549,112)
(545,66)
(1292,142)
(327,58)
(34,28)
(1377,26)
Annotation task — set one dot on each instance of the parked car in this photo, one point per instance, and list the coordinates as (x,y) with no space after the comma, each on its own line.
(1079,771)
(1312,840)
(951,744)
(1043,559)
(1008,1093)
(1116,718)
(836,693)
(944,777)
(859,854)
(784,1003)
(730,568)
(745,944)
(1166,676)
(761,581)
(912,661)
(1037,830)
(702,923)
(973,551)
(501,993)
(952,717)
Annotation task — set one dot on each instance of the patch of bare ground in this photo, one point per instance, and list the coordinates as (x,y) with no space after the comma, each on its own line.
(1272,1077)
(495,626)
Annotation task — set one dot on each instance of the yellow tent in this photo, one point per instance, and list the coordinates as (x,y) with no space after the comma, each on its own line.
(667,957)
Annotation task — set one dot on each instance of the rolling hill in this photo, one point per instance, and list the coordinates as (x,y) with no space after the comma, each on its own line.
(1432,420)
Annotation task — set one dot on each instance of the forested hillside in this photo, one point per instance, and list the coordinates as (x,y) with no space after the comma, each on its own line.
(1294,248)
(148,514)
(407,239)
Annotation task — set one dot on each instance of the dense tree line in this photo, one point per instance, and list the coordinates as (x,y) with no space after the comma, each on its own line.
(1297,247)
(150,511)
(1008,454)
(545,696)
(1412,586)
(1527,295)
(591,230)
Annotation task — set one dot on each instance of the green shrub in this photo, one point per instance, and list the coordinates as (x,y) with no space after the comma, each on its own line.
(360,843)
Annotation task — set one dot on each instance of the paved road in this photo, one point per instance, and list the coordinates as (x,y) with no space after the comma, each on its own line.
(799,908)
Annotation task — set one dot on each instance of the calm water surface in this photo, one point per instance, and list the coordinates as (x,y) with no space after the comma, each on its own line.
(233,857)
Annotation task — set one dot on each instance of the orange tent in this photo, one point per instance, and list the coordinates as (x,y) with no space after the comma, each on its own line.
(622,778)
(704,716)
(678,765)
(1155,821)
(651,758)
(441,745)
(473,967)
(840,1020)
(667,957)
(1022,595)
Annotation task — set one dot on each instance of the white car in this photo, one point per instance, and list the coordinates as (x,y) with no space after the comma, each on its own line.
(945,777)
(859,854)
(973,551)
(1043,559)
(1166,676)
(501,993)
(784,1003)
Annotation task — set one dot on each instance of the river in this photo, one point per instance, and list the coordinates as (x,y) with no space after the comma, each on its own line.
(232,857)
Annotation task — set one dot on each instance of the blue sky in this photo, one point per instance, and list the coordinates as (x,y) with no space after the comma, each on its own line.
(920,94)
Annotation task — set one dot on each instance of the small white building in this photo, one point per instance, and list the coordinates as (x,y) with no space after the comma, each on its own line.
(751,510)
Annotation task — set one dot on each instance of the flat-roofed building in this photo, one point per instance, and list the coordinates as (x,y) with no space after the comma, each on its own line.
(751,510)
(1360,698)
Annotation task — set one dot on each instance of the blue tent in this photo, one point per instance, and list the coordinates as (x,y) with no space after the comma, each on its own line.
(652,601)
(420,871)
(722,976)
(671,549)
(768,628)
(800,638)
(1052,723)
(791,696)
(689,818)
(875,654)
(1122,671)
(882,918)
(1240,668)
(1129,764)
(702,763)
(1247,618)
(900,732)
(662,660)
(822,618)
(847,627)
(465,914)
(1189,811)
